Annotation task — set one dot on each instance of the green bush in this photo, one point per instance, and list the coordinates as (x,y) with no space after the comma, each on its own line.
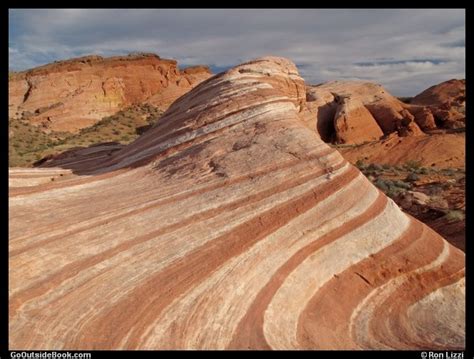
(401,184)
(394,192)
(412,177)
(383,185)
(414,165)
(454,215)
(360,164)
(392,188)
(375,167)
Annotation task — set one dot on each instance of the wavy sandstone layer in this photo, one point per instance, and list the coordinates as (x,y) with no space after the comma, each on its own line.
(227,225)
(73,94)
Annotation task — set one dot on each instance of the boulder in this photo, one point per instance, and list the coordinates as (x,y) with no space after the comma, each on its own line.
(353,123)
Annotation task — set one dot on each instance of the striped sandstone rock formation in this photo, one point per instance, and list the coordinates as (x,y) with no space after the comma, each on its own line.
(228,225)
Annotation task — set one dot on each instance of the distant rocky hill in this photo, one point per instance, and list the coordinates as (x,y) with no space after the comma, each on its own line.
(447,102)
(73,94)
(351,112)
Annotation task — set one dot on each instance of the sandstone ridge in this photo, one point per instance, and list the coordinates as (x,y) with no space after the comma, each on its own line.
(447,102)
(229,224)
(354,112)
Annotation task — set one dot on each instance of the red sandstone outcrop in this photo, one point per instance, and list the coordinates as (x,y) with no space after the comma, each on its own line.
(227,225)
(439,107)
(374,112)
(353,123)
(446,101)
(73,94)
(447,150)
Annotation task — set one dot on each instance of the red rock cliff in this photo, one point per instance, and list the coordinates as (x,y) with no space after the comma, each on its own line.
(72,94)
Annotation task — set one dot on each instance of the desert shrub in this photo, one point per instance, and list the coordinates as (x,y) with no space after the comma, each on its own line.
(394,191)
(412,177)
(375,167)
(454,215)
(392,188)
(412,165)
(360,164)
(435,190)
(383,185)
(401,184)
(386,166)
(423,171)
(449,172)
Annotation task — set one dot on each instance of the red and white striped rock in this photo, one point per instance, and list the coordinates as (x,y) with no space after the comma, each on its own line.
(228,225)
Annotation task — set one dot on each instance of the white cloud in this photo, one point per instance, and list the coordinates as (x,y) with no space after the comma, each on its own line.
(325,43)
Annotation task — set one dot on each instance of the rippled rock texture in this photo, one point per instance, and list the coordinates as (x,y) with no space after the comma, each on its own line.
(229,224)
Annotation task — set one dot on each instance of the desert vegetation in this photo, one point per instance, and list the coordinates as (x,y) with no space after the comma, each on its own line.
(29,143)
(430,194)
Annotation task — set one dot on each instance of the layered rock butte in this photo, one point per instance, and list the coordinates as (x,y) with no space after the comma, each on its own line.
(353,112)
(229,224)
(73,94)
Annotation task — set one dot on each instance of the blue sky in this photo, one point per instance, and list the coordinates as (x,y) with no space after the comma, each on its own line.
(404,50)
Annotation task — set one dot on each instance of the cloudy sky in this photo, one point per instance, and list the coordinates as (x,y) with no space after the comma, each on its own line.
(405,50)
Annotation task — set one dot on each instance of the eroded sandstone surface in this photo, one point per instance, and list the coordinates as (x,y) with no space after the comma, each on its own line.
(74,94)
(229,224)
(354,112)
(446,101)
